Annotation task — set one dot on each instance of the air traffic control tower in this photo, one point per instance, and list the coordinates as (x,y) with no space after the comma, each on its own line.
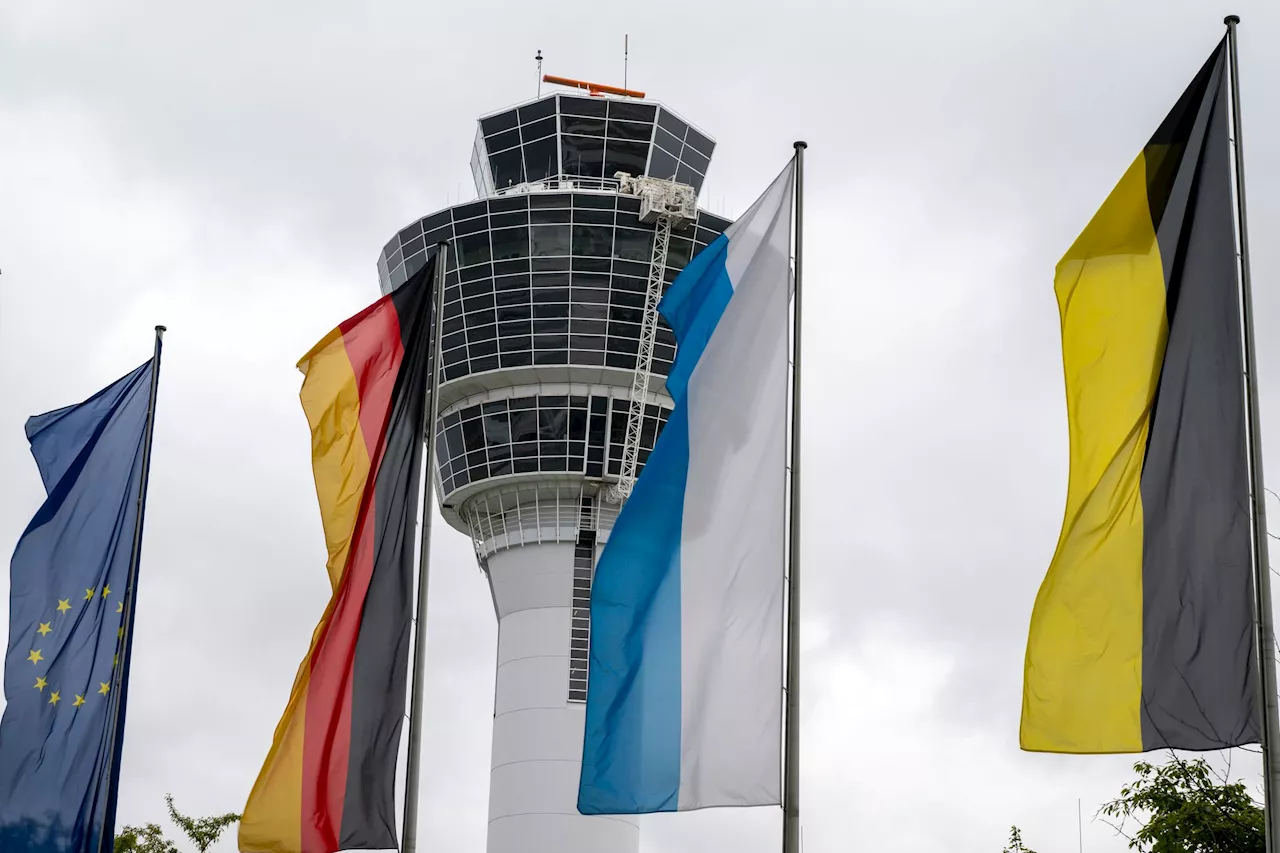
(553,391)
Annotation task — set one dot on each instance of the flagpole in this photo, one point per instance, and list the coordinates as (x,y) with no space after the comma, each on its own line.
(120,674)
(791,777)
(1261,560)
(409,838)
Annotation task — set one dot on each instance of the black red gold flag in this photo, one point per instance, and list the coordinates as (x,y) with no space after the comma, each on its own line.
(328,781)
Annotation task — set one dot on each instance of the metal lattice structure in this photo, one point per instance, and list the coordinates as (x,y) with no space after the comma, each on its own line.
(667,205)
(584,566)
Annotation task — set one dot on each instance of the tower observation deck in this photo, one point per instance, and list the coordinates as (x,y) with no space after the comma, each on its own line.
(551,276)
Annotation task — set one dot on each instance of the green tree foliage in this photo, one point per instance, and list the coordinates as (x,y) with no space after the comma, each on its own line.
(1015,842)
(1182,807)
(201,831)
(147,839)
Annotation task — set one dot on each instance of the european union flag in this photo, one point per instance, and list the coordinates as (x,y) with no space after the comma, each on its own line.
(67,602)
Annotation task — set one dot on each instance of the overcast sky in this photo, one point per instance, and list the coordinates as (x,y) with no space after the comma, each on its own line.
(233,169)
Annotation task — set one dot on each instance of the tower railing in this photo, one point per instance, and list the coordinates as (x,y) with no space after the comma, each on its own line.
(535,515)
(561,183)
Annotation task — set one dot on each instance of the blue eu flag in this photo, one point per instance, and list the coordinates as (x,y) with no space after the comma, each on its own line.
(70,577)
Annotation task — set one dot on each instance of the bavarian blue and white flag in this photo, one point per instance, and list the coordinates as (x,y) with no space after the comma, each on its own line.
(684,698)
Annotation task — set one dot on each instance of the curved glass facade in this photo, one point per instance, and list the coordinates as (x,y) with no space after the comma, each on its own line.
(544,278)
(545,433)
(568,137)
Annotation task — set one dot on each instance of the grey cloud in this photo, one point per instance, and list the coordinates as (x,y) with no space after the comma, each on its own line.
(234,170)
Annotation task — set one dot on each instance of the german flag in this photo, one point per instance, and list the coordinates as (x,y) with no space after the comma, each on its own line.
(1142,636)
(328,782)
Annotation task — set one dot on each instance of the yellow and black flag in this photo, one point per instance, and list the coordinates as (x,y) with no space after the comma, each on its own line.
(1142,635)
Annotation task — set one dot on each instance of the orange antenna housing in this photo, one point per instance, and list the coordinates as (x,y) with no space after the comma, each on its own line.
(593,88)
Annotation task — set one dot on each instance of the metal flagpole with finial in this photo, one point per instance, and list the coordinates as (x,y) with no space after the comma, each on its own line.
(1261,561)
(120,681)
(791,772)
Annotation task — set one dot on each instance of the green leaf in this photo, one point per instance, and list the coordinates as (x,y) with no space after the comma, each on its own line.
(1181,807)
(203,831)
(147,839)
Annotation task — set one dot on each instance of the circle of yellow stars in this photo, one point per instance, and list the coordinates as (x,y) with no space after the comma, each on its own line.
(36,656)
